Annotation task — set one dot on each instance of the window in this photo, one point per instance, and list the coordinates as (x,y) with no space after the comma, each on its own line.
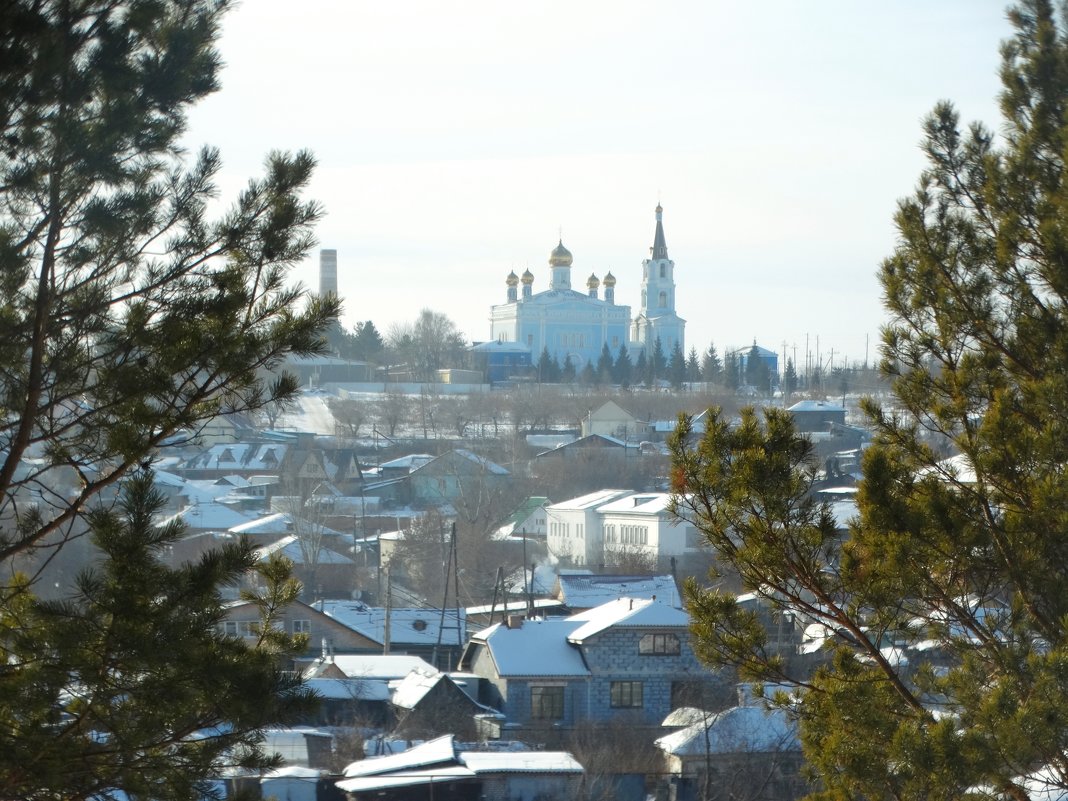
(530,340)
(547,702)
(302,627)
(663,270)
(626,694)
(659,644)
(240,628)
(663,300)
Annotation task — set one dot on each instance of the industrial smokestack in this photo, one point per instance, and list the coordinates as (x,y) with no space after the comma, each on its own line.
(327,273)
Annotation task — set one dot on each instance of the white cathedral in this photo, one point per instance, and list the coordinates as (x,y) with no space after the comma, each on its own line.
(574,325)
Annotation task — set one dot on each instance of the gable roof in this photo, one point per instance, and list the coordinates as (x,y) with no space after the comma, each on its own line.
(591,500)
(464,457)
(751,729)
(410,626)
(382,667)
(537,648)
(628,613)
(290,548)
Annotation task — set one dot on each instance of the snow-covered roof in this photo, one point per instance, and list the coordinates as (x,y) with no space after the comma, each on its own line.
(642,503)
(239,456)
(685,716)
(514,606)
(277,523)
(213,516)
(282,523)
(481,462)
(630,613)
(412,626)
(411,461)
(432,752)
(383,667)
(591,500)
(584,591)
(816,406)
(738,729)
(290,548)
(409,691)
(537,648)
(520,762)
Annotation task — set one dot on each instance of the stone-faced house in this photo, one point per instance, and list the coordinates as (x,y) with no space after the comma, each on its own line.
(629,659)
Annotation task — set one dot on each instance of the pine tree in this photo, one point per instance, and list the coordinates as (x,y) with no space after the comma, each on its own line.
(368,342)
(126,314)
(568,372)
(641,368)
(546,367)
(128,318)
(623,369)
(676,369)
(658,363)
(731,371)
(711,368)
(693,366)
(789,378)
(945,604)
(140,691)
(604,366)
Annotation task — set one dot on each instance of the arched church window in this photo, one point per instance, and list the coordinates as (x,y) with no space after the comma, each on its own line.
(663,300)
(663,270)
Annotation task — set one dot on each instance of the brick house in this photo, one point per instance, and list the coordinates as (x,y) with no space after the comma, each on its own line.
(628,659)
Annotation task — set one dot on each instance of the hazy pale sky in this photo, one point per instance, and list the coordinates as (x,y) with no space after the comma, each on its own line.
(457,140)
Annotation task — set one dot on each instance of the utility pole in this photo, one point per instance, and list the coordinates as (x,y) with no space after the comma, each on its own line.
(389,611)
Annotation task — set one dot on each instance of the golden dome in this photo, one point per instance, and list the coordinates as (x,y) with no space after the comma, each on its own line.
(593,282)
(609,279)
(528,277)
(560,257)
(512,279)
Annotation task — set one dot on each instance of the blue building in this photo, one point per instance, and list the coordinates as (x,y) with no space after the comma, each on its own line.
(574,325)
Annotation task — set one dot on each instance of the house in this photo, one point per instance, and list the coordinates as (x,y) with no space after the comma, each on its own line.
(610,526)
(592,449)
(746,745)
(433,634)
(321,570)
(529,520)
(427,703)
(642,525)
(350,701)
(629,659)
(224,428)
(575,535)
(438,769)
(812,416)
(452,476)
(612,420)
(323,631)
(236,458)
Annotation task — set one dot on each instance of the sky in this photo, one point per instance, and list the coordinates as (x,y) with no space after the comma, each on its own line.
(458,141)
